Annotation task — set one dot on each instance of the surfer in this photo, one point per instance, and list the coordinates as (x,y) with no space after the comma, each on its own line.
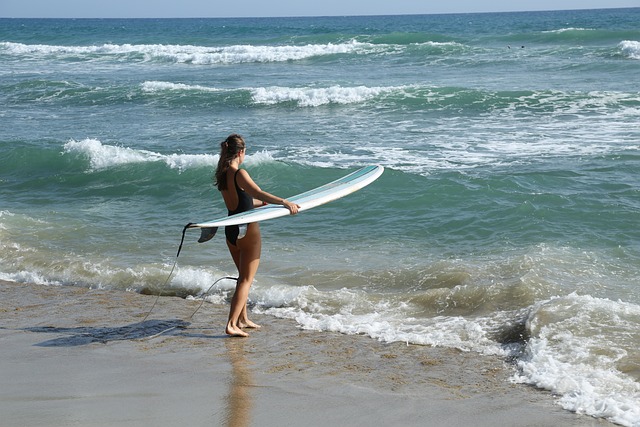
(240,194)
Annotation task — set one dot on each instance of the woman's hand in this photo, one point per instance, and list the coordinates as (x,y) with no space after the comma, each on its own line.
(293,207)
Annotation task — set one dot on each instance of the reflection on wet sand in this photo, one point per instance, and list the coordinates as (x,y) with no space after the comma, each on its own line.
(239,400)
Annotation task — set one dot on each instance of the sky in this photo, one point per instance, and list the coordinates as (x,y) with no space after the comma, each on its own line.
(258,8)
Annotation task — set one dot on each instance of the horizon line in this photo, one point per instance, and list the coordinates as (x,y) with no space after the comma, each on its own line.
(314,16)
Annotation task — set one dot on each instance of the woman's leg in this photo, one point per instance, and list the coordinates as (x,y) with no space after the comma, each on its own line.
(249,248)
(244,321)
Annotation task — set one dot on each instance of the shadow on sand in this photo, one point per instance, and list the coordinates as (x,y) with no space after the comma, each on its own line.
(87,335)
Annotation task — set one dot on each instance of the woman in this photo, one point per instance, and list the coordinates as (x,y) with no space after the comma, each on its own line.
(241,194)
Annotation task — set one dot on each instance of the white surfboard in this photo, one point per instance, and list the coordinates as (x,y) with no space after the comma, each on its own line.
(307,200)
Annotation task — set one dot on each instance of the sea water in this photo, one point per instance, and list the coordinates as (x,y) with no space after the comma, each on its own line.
(506,222)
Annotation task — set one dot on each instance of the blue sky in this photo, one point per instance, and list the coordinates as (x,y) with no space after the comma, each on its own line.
(244,8)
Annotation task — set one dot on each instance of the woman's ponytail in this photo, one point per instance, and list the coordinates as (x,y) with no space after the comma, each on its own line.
(229,150)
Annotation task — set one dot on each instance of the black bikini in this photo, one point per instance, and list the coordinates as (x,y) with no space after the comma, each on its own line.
(245,203)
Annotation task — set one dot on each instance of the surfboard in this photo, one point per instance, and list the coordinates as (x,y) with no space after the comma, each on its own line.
(310,199)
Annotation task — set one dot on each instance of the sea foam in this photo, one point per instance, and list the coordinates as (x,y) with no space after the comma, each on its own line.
(313,97)
(103,156)
(157,86)
(198,55)
(579,349)
(630,48)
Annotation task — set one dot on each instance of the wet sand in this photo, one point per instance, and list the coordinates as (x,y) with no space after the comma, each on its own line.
(73,356)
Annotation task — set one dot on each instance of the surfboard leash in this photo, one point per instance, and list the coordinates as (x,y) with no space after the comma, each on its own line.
(207,292)
(184,230)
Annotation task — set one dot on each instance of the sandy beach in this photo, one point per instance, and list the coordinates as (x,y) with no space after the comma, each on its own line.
(74,356)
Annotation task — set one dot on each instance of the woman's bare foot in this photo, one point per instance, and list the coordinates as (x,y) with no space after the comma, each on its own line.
(235,331)
(249,324)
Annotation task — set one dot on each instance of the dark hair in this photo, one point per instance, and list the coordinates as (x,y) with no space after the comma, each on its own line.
(229,150)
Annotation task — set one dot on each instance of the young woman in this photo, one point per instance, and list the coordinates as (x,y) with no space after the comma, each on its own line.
(241,194)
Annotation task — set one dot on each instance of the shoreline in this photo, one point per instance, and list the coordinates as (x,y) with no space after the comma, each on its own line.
(79,356)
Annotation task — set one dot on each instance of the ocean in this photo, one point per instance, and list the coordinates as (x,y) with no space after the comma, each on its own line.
(506,222)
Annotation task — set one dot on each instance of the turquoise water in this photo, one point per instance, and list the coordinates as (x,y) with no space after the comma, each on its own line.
(506,222)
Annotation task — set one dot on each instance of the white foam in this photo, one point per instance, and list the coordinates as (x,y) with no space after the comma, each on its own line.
(157,86)
(432,43)
(576,347)
(201,279)
(103,156)
(188,161)
(630,48)
(351,311)
(565,30)
(313,97)
(580,346)
(38,266)
(303,96)
(452,153)
(28,277)
(6,213)
(199,55)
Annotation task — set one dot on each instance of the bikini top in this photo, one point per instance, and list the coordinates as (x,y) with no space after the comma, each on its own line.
(245,201)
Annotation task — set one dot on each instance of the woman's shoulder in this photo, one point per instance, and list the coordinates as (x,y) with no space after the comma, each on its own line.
(232,172)
(242,173)
(243,179)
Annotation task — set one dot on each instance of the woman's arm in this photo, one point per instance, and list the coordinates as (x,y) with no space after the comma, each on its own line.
(247,184)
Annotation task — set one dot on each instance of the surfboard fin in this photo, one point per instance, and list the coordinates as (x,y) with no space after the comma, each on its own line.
(207,233)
